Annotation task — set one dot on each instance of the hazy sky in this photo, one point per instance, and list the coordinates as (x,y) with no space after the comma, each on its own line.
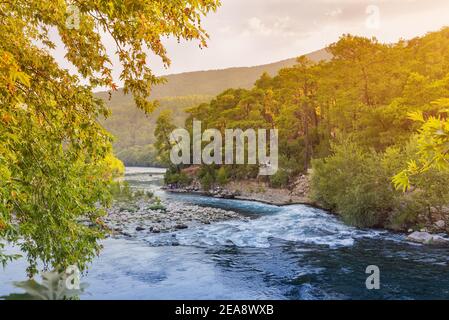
(253,32)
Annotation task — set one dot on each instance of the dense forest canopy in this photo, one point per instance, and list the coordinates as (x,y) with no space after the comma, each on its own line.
(133,144)
(358,104)
(133,130)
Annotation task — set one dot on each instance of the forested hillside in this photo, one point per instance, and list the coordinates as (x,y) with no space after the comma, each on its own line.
(133,130)
(350,120)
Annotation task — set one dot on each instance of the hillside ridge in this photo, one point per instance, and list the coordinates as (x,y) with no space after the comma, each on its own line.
(214,81)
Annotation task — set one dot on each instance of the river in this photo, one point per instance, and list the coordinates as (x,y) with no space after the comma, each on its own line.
(290,252)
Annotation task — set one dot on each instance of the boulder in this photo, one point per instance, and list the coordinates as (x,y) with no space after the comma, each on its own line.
(427,238)
(181,227)
(440,224)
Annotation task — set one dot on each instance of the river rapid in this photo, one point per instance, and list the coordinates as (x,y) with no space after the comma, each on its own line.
(289,252)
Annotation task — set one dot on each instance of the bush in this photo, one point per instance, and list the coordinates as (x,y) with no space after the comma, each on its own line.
(157,205)
(429,193)
(122,192)
(280,179)
(356,184)
(222,176)
(353,183)
(177,178)
(207,181)
(207,176)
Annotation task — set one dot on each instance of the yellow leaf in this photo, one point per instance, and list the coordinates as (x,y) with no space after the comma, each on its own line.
(416,116)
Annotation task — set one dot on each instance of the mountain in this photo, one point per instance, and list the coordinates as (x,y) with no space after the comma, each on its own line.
(133,129)
(213,82)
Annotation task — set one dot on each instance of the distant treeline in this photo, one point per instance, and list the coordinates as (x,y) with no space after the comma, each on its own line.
(133,130)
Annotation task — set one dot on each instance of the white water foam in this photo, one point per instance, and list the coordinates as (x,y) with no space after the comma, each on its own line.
(296,223)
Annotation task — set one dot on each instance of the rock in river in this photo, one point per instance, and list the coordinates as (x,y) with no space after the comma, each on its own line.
(176,216)
(427,238)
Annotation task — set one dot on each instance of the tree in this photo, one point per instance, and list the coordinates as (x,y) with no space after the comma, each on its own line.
(433,138)
(55,158)
(353,117)
(433,148)
(163,145)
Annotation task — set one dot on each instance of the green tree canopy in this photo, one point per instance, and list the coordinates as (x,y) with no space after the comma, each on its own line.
(55,158)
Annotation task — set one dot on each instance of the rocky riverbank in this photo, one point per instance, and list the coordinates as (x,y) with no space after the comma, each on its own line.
(297,193)
(429,232)
(145,217)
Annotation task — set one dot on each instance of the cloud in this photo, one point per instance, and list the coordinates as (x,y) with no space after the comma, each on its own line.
(252,32)
(256,25)
(277,26)
(225,29)
(334,13)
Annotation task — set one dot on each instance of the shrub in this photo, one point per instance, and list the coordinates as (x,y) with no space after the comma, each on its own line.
(174,177)
(353,183)
(222,176)
(157,205)
(356,183)
(207,176)
(430,191)
(280,179)
(207,180)
(122,192)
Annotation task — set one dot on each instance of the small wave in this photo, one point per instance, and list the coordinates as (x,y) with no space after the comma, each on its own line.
(296,223)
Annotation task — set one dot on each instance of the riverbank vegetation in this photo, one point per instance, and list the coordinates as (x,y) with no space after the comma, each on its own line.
(354,120)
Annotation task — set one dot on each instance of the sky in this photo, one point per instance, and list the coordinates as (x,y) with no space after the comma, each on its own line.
(255,32)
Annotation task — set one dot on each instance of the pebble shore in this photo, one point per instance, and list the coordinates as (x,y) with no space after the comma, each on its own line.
(131,220)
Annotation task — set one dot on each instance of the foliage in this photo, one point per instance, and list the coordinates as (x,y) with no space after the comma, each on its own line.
(222,176)
(133,130)
(280,179)
(6,258)
(365,91)
(157,205)
(353,183)
(122,192)
(181,91)
(207,181)
(433,143)
(428,195)
(139,156)
(164,128)
(56,161)
(53,287)
(207,176)
(174,177)
(352,118)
